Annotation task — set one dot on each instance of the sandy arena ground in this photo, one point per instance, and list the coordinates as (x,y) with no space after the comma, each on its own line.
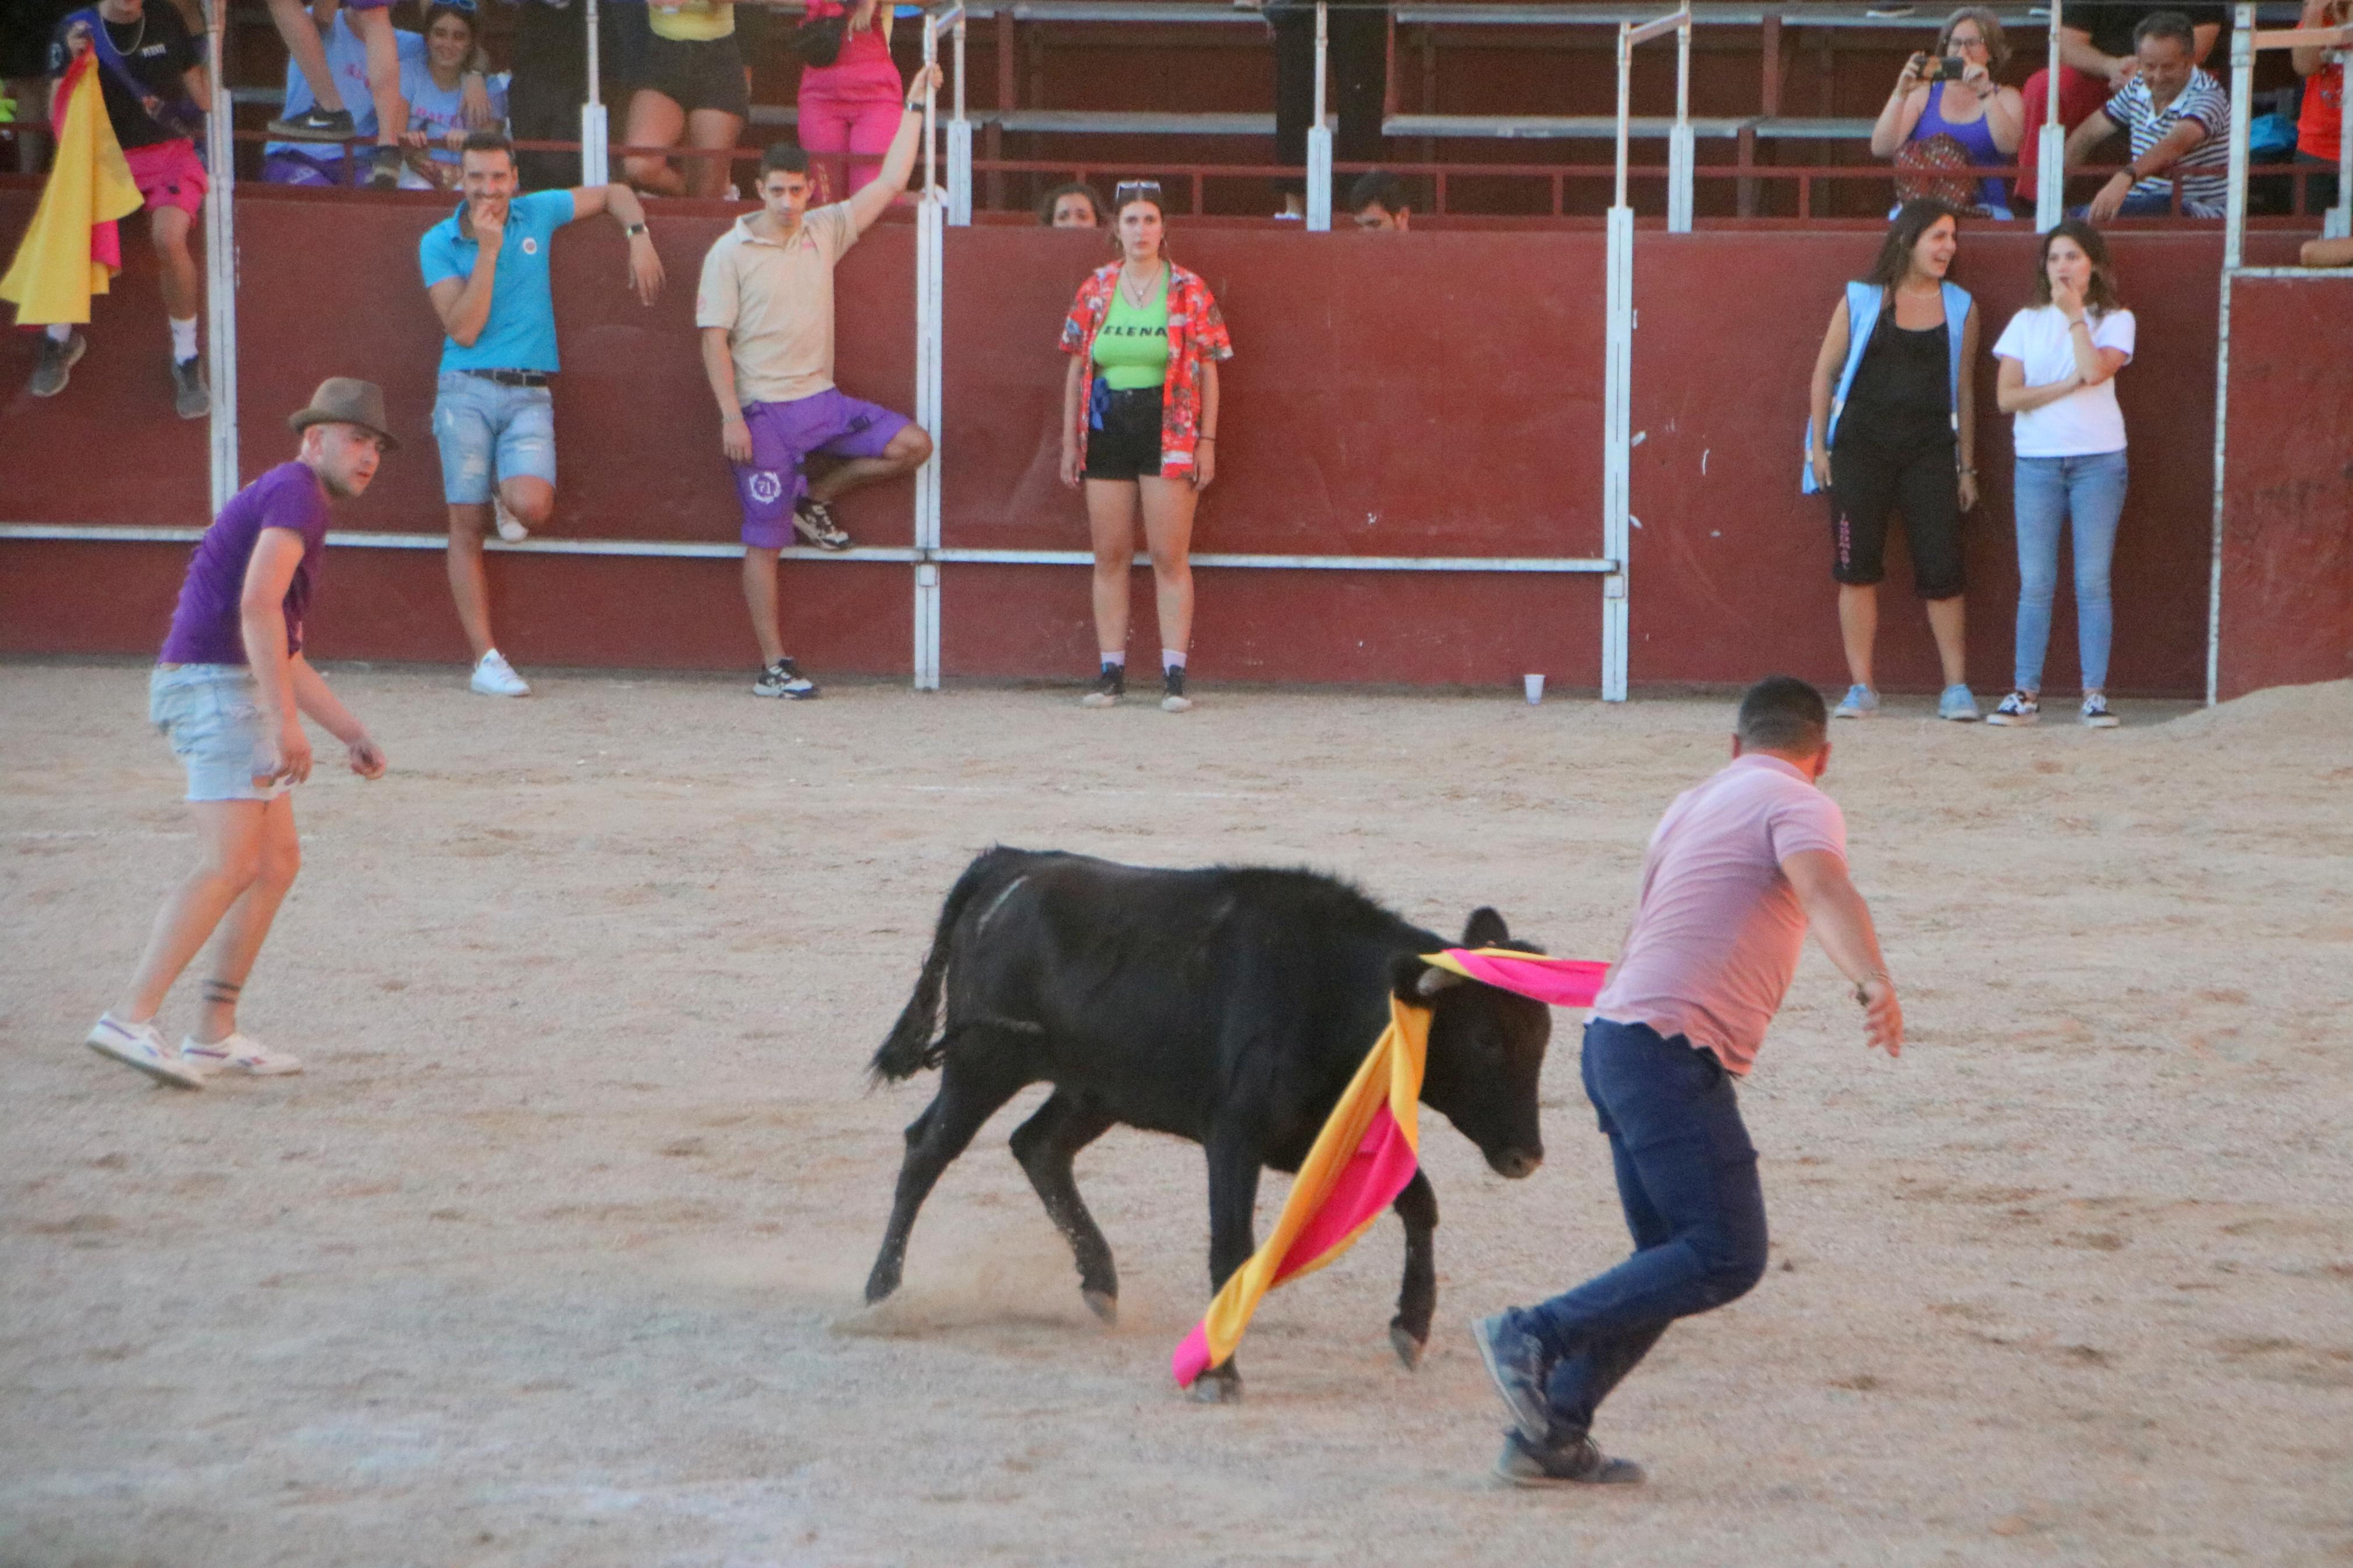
(552,1257)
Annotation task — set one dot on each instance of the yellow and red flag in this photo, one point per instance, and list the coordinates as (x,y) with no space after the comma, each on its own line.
(72,250)
(1369,1147)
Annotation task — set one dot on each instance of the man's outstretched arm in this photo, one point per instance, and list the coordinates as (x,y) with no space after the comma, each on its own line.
(1842,923)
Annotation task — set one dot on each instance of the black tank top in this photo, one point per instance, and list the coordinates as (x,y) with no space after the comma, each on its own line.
(1903,388)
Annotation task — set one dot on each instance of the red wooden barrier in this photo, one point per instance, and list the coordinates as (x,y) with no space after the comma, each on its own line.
(1424,394)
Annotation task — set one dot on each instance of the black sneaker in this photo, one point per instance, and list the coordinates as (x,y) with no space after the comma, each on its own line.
(1110,687)
(813,519)
(1578,1463)
(56,364)
(783,679)
(384,173)
(1173,699)
(315,124)
(191,398)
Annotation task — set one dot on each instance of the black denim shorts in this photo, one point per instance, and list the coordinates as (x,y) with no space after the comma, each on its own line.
(1124,433)
(697,74)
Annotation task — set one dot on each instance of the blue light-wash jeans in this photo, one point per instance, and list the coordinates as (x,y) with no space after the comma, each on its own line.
(1687,1181)
(2050,492)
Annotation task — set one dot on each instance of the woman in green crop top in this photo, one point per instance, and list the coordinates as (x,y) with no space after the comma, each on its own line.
(1140,432)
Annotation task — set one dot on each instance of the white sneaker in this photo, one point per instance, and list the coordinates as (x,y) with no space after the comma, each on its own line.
(510,528)
(236,1053)
(494,677)
(141,1046)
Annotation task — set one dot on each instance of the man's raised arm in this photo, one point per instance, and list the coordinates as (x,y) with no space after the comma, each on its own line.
(873,200)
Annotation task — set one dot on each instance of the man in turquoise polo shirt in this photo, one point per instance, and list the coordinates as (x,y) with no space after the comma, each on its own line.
(486,273)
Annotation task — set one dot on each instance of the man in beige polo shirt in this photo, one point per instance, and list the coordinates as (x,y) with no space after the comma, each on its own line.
(765,312)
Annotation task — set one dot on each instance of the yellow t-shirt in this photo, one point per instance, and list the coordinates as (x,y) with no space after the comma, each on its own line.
(692,21)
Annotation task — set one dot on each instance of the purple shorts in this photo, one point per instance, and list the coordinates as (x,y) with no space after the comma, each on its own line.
(784,434)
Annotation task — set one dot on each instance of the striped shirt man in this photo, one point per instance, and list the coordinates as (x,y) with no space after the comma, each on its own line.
(2205,170)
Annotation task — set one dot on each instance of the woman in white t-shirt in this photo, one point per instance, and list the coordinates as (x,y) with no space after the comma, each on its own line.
(2059,361)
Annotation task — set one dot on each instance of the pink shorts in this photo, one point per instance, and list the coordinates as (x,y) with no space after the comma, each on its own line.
(169,174)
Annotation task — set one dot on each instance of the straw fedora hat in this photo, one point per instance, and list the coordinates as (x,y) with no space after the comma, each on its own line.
(341,400)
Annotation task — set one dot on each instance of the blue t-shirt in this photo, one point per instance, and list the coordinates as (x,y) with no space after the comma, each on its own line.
(521,332)
(438,111)
(207,626)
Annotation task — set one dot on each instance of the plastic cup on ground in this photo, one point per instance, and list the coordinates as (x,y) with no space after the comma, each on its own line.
(1534,686)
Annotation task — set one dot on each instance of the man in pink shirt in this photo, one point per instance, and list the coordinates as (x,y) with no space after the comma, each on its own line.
(1735,870)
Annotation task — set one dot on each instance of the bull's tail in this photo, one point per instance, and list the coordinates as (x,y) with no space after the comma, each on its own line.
(910,1047)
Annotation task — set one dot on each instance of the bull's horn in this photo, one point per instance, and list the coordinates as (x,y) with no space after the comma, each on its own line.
(1435,980)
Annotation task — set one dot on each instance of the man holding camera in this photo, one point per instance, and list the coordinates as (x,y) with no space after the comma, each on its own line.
(153,79)
(486,273)
(764,310)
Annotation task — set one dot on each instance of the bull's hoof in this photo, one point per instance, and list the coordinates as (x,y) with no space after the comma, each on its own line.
(879,1285)
(1103,1304)
(1220,1385)
(1409,1349)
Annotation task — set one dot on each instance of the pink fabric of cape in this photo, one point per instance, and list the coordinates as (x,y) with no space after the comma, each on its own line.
(1562,981)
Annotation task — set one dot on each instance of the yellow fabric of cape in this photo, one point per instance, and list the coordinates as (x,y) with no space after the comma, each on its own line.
(54,272)
(1389,1080)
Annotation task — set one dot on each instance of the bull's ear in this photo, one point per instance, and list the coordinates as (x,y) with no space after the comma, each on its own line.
(1485,928)
(1416,982)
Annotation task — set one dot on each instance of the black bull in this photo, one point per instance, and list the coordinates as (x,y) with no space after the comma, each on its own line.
(1230,1005)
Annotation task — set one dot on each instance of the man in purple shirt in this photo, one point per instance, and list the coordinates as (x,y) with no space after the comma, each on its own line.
(1735,870)
(230,693)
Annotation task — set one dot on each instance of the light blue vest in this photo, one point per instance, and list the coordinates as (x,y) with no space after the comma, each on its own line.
(1862,305)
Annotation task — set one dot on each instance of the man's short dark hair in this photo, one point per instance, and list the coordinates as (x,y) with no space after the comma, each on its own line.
(489,141)
(1382,189)
(2167,25)
(1782,713)
(784,158)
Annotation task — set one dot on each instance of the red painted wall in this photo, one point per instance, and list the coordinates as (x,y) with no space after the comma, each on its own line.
(1434,394)
(2287,548)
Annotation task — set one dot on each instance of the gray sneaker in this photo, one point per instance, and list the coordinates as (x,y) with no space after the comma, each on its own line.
(191,398)
(55,367)
(315,124)
(1581,1463)
(1516,1362)
(1959,704)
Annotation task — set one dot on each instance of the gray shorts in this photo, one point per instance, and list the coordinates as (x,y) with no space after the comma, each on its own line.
(484,429)
(209,714)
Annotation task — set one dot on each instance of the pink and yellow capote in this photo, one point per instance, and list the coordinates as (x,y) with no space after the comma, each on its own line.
(1369,1149)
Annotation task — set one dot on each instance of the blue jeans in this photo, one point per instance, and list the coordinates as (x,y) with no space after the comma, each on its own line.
(2049,492)
(1687,1180)
(481,425)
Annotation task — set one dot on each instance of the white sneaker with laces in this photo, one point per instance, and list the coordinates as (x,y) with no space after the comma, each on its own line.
(494,677)
(141,1046)
(237,1053)
(510,528)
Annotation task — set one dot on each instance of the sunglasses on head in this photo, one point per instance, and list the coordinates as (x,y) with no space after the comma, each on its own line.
(1135,191)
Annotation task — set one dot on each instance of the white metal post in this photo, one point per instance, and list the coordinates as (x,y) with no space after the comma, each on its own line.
(1319,136)
(2051,150)
(2242,82)
(595,138)
(930,217)
(2339,224)
(959,143)
(1682,152)
(220,262)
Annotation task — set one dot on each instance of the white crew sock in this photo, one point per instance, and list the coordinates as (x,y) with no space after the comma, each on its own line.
(61,331)
(1116,660)
(184,340)
(1172,658)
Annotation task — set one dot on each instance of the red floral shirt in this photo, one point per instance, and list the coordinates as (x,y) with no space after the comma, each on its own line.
(1196,333)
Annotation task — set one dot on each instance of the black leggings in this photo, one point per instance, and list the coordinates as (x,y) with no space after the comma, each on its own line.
(1872,476)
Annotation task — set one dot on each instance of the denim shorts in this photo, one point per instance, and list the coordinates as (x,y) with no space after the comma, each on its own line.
(484,429)
(209,713)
